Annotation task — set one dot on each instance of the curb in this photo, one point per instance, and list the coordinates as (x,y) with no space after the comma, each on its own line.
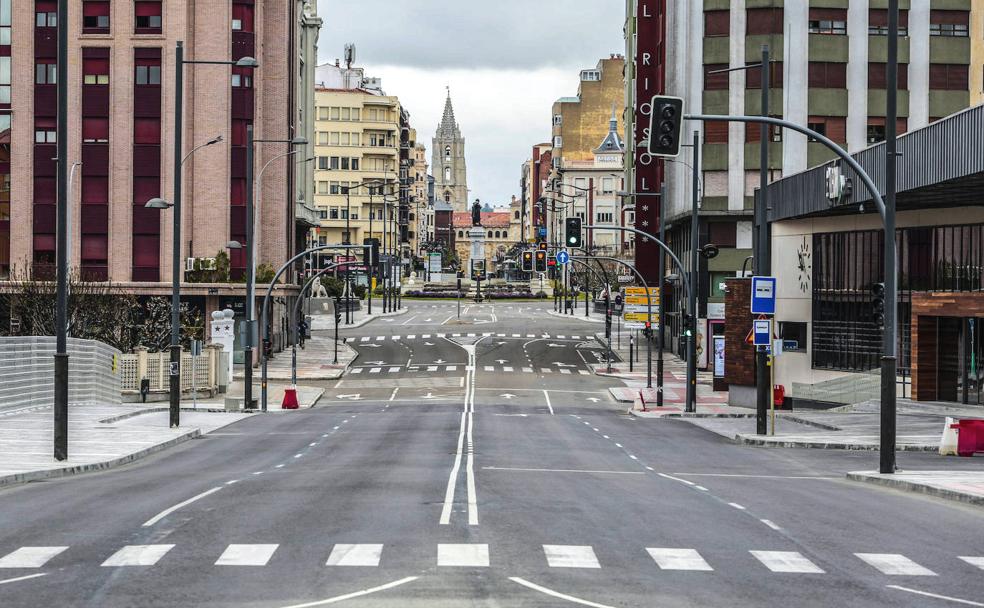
(17,478)
(825,445)
(918,488)
(155,410)
(554,313)
(375,316)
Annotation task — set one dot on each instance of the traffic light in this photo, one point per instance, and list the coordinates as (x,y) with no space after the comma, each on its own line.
(878,303)
(541,246)
(573,231)
(338,310)
(665,124)
(688,325)
(371,255)
(527,261)
(541,261)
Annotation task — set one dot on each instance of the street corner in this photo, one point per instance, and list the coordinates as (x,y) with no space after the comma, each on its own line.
(961,486)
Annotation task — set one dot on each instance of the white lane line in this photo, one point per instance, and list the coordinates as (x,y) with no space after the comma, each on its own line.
(30,557)
(232,481)
(689,483)
(556,594)
(756,476)
(770,523)
(562,471)
(312,444)
(974,561)
(153,520)
(23,578)
(453,478)
(528,370)
(137,555)
(257,472)
(246,555)
(736,505)
(467,556)
(355,555)
(546,396)
(393,395)
(678,559)
(298,455)
(279,466)
(349,596)
(701,488)
(571,556)
(955,600)
(618,445)
(470,472)
(894,564)
(786,562)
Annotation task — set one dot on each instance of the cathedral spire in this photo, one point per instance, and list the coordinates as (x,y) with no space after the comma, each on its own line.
(448,124)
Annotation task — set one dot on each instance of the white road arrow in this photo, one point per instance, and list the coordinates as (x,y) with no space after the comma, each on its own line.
(594,399)
(440,361)
(355,397)
(501,361)
(369,345)
(507,395)
(429,396)
(376,363)
(551,345)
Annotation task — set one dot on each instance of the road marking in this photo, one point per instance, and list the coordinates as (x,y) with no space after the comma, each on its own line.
(490,368)
(279,466)
(563,470)
(30,557)
(355,555)
(312,444)
(786,562)
(528,370)
(678,559)
(257,472)
(556,594)
(232,481)
(349,596)
(701,488)
(736,505)
(246,555)
(618,445)
(153,520)
(137,555)
(468,556)
(375,370)
(393,395)
(689,483)
(584,372)
(380,338)
(737,475)
(546,396)
(432,368)
(770,523)
(565,371)
(395,338)
(974,561)
(298,455)
(452,368)
(507,369)
(411,337)
(955,600)
(355,370)
(23,578)
(453,479)
(895,564)
(571,556)
(425,337)
(364,339)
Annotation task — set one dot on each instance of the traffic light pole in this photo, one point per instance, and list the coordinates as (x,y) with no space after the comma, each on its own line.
(662,278)
(887,212)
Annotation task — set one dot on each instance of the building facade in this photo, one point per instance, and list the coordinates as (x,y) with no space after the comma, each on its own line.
(121,121)
(448,161)
(502,231)
(580,122)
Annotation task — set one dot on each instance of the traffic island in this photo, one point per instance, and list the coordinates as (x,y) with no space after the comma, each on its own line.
(961,486)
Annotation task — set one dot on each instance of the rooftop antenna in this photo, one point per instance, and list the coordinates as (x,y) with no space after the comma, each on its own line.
(349,55)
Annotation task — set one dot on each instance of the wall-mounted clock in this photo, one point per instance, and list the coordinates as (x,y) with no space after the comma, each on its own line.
(805,267)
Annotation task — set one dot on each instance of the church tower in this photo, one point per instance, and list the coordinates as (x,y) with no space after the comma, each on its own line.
(448,162)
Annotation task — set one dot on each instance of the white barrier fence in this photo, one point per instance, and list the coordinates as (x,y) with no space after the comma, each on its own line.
(203,373)
(27,372)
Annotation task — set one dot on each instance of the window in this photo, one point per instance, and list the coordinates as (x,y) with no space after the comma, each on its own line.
(323,163)
(607,185)
(878,22)
(605,218)
(95,130)
(345,164)
(832,127)
(355,164)
(461,234)
(95,71)
(322,187)
(948,77)
(877,76)
(147,131)
(242,17)
(793,336)
(447,174)
(44,131)
(876,128)
(335,188)
(4,22)
(148,75)
(817,125)
(147,17)
(764,21)
(95,17)
(447,153)
(828,75)
(558,120)
(323,214)
(722,234)
(5,85)
(591,75)
(447,197)
(828,21)
(716,81)
(356,114)
(953,24)
(717,23)
(241,79)
(334,114)
(334,213)
(753,76)
(45,73)
(558,141)
(46,18)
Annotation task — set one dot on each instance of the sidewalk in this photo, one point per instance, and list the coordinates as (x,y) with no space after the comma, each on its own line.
(314,361)
(359,317)
(99,437)
(963,486)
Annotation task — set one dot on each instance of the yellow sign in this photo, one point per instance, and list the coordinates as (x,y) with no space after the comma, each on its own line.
(641,291)
(640,317)
(642,300)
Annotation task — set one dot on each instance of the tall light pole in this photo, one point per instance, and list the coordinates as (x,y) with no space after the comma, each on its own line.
(251,256)
(889,361)
(61,250)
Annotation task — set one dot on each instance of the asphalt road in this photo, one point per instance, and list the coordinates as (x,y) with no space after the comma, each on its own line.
(482,470)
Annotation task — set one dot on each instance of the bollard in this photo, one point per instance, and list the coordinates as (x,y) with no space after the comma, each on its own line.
(631,346)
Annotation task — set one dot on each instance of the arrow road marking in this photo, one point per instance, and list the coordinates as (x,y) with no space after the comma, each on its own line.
(501,361)
(559,364)
(508,395)
(355,397)
(594,399)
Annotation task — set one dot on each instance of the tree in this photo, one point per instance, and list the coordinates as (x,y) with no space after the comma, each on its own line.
(155,329)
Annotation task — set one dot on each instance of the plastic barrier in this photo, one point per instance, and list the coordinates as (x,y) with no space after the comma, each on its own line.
(970,436)
(290,399)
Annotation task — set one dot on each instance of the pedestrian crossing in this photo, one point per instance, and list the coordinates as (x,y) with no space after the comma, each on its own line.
(356,340)
(480,555)
(424,368)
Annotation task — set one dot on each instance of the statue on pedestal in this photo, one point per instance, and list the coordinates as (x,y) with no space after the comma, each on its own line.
(317,289)
(477,213)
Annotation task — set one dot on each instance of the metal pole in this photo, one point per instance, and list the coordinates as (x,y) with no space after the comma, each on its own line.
(250,276)
(348,241)
(587,285)
(386,302)
(763,381)
(661,278)
(371,270)
(691,405)
(175,371)
(889,361)
(61,309)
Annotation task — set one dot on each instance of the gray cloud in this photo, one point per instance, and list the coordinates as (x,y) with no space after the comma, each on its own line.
(508,34)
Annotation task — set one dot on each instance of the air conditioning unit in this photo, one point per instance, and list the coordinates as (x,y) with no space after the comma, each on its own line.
(190,265)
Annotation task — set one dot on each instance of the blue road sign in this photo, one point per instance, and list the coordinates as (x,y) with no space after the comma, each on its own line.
(563,257)
(763,295)
(762,331)
(542,232)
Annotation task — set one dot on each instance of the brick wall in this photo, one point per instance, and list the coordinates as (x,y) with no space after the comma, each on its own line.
(739,356)
(926,308)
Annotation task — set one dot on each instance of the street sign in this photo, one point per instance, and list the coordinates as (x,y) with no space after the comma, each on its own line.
(763,296)
(762,331)
(642,300)
(641,291)
(640,308)
(434,262)
(625,278)
(634,325)
(640,317)
(563,257)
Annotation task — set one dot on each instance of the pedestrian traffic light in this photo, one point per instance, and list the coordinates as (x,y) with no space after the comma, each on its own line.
(573,231)
(541,261)
(665,124)
(527,261)
(878,304)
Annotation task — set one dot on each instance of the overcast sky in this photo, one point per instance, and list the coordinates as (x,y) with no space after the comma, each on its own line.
(506,62)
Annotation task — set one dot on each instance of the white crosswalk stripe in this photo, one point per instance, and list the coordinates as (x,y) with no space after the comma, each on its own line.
(489,368)
(394,370)
(452,368)
(895,564)
(356,370)
(507,369)
(570,556)
(30,557)
(528,370)
(974,561)
(425,337)
(679,559)
(137,555)
(375,370)
(395,338)
(584,372)
(411,337)
(530,336)
(469,556)
(355,555)
(786,562)
(565,371)
(546,370)
(432,368)
(515,335)
(246,555)
(380,338)
(364,339)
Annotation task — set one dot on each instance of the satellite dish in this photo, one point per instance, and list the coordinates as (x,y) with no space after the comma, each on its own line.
(349,54)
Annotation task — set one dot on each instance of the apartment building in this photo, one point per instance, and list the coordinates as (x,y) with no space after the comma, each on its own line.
(121,121)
